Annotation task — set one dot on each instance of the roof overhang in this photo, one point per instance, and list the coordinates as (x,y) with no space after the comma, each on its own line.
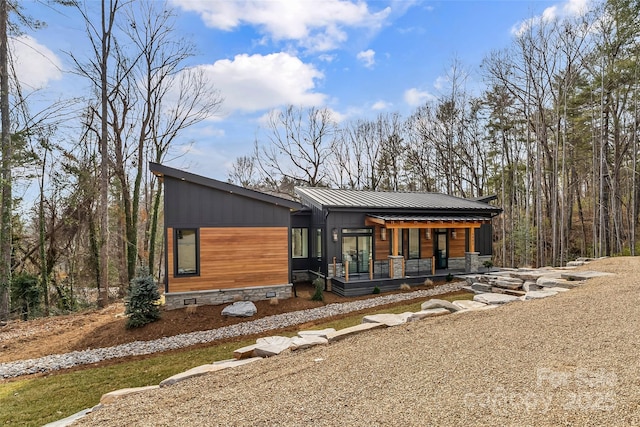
(162,171)
(426,221)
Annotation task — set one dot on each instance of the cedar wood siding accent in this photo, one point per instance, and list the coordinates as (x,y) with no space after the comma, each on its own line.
(235,258)
(243,235)
(457,246)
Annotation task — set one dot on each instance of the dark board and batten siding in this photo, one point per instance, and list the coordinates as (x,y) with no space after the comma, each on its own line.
(191,205)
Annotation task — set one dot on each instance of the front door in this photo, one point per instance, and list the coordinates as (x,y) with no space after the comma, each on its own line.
(440,249)
(357,251)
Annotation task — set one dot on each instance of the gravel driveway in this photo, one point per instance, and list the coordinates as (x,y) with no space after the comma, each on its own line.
(573,359)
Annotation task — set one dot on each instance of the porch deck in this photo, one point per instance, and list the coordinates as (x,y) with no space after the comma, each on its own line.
(362,284)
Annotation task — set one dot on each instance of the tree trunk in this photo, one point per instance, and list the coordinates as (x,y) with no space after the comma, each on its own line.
(7,156)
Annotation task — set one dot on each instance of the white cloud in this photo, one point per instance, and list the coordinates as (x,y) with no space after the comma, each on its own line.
(380,105)
(561,10)
(261,82)
(367,57)
(35,64)
(415,97)
(326,57)
(317,28)
(441,82)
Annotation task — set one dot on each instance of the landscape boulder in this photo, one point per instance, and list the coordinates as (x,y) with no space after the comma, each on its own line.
(468,305)
(271,346)
(298,343)
(539,294)
(490,298)
(316,333)
(431,312)
(240,309)
(389,319)
(439,303)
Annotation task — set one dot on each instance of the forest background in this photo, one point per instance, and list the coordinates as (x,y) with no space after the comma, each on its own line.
(553,133)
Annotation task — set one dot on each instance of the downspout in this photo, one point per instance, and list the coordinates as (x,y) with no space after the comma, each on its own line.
(325,250)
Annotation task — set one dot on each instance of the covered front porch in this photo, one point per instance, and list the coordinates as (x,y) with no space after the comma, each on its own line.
(407,249)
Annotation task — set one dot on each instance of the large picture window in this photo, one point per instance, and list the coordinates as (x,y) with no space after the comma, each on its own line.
(299,242)
(186,249)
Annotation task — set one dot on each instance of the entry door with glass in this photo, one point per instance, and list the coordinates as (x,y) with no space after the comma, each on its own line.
(356,249)
(440,248)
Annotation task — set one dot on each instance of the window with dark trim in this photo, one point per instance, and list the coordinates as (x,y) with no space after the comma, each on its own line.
(300,243)
(186,252)
(414,243)
(318,242)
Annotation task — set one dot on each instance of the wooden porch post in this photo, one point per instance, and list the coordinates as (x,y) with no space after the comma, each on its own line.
(346,271)
(472,239)
(395,241)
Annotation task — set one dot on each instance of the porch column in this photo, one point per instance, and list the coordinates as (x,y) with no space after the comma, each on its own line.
(472,239)
(471,262)
(395,242)
(395,266)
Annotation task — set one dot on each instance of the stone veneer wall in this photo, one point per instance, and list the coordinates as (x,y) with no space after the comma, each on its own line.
(418,266)
(457,263)
(175,300)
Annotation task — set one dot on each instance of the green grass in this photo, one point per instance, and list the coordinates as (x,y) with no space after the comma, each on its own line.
(37,401)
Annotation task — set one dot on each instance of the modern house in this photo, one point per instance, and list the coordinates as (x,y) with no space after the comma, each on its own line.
(367,239)
(224,242)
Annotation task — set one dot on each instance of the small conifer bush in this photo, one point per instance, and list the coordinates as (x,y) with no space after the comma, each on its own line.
(142,302)
(376,290)
(318,295)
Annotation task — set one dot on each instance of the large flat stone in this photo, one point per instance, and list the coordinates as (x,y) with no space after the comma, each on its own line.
(491,298)
(389,319)
(205,369)
(545,282)
(513,292)
(431,312)
(343,333)
(439,303)
(505,284)
(583,275)
(530,285)
(299,343)
(539,294)
(467,304)
(481,287)
(244,352)
(112,396)
(271,346)
(317,333)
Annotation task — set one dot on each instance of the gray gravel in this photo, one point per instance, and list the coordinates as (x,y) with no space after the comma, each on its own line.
(136,348)
(571,359)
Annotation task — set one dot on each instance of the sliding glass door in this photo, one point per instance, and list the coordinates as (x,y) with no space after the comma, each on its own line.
(357,249)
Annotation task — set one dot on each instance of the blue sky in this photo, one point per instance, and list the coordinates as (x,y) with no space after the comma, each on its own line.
(358,58)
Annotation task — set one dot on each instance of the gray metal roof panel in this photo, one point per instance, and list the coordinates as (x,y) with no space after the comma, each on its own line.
(386,200)
(455,218)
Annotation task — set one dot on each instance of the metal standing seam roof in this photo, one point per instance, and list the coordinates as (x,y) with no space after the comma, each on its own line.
(447,218)
(390,200)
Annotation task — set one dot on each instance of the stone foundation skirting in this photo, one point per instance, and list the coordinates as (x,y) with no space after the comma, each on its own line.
(175,300)
(456,263)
